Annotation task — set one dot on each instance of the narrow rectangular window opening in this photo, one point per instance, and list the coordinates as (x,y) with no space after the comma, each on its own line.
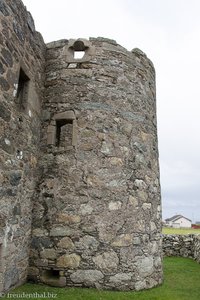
(79,54)
(22,92)
(64,132)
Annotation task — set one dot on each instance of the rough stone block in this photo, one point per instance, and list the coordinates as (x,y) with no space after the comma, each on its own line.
(48,254)
(70,261)
(107,262)
(89,276)
(123,240)
(65,243)
(61,231)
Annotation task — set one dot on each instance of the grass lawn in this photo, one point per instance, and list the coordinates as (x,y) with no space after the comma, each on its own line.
(181,283)
(168,230)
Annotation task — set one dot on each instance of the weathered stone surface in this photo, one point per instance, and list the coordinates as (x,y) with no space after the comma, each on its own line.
(4,84)
(11,277)
(19,32)
(33,271)
(15,177)
(2,70)
(79,160)
(137,241)
(133,201)
(30,22)
(60,231)
(41,242)
(38,232)
(129,256)
(140,184)
(115,161)
(140,285)
(107,261)
(197,248)
(114,205)
(121,277)
(86,209)
(41,262)
(48,254)
(66,243)
(142,195)
(4,112)
(19,134)
(4,9)
(70,261)
(123,240)
(146,206)
(88,276)
(68,219)
(88,245)
(145,266)
(7,57)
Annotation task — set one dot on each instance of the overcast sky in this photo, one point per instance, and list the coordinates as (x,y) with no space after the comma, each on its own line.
(168,31)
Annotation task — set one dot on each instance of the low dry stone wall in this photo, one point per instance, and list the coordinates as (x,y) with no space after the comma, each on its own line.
(197,248)
(182,245)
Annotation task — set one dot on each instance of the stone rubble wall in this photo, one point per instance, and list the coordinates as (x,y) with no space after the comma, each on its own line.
(20,47)
(96,221)
(182,245)
(197,248)
(79,172)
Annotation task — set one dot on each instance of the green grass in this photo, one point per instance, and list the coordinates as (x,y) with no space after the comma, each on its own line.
(168,230)
(181,283)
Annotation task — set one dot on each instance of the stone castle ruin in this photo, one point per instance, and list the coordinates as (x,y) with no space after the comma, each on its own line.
(79,173)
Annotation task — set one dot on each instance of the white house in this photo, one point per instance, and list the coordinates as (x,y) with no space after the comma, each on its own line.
(178,221)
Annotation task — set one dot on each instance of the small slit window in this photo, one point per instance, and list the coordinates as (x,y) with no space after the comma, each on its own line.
(64,130)
(22,91)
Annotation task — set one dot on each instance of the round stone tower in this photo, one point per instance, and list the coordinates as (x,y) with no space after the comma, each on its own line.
(97,215)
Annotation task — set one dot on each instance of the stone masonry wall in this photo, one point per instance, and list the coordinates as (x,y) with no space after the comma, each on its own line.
(21,81)
(86,162)
(197,248)
(96,218)
(182,245)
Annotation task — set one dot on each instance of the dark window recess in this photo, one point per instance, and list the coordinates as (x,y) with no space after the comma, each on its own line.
(64,129)
(51,274)
(79,49)
(22,92)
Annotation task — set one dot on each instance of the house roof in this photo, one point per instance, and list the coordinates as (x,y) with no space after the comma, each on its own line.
(176,217)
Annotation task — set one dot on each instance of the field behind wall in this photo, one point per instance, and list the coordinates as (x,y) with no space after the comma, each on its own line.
(169,230)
